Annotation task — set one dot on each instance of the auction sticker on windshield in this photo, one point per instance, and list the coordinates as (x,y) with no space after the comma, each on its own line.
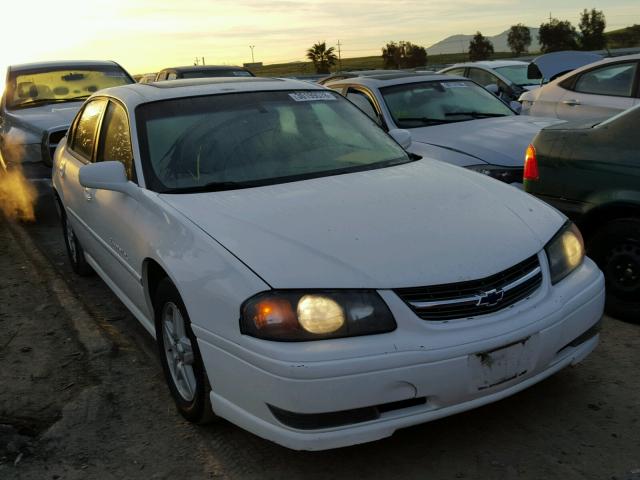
(311,96)
(454,85)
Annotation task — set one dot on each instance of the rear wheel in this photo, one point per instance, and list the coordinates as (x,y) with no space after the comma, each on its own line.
(74,249)
(180,356)
(616,250)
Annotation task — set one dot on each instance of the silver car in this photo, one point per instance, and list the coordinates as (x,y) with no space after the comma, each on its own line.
(41,99)
(448,118)
(595,91)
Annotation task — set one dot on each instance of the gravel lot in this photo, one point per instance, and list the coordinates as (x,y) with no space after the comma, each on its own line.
(83,397)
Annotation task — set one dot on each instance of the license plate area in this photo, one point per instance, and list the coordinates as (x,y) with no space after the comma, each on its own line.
(492,368)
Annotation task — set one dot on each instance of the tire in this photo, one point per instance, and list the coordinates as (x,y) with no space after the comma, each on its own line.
(616,250)
(75,252)
(180,356)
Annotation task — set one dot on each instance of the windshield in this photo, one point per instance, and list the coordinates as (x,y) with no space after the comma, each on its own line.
(216,73)
(37,87)
(222,142)
(421,104)
(517,74)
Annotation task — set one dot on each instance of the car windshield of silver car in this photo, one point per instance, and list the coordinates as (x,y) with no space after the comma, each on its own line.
(432,103)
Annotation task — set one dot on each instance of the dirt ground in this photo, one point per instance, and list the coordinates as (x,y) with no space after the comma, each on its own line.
(82,397)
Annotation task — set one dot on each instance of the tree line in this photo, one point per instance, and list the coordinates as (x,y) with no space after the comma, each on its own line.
(554,35)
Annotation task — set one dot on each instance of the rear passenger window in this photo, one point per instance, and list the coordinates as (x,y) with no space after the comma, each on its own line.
(115,139)
(84,136)
(614,80)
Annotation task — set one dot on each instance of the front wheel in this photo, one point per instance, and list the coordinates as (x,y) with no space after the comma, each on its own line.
(616,250)
(180,356)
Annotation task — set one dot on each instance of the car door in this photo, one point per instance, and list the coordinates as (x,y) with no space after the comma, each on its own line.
(112,216)
(600,92)
(79,151)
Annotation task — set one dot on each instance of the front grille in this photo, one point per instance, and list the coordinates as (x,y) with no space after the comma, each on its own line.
(54,140)
(474,297)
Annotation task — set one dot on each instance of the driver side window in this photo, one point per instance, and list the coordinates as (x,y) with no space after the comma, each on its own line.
(115,139)
(84,135)
(482,77)
(360,100)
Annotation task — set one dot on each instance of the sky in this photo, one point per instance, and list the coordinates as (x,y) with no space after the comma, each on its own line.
(147,35)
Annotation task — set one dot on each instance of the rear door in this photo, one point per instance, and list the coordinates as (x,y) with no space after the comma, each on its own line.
(600,92)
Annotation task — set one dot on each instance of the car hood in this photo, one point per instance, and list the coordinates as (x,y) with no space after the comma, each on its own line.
(497,141)
(44,117)
(421,223)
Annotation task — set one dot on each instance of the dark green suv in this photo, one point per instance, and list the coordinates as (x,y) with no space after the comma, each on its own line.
(591,172)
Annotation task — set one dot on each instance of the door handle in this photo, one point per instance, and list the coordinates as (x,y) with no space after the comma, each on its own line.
(61,168)
(88,194)
(571,102)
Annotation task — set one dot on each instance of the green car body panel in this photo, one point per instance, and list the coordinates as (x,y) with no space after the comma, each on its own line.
(591,172)
(586,168)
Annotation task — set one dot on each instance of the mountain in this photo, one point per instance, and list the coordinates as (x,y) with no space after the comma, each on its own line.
(460,43)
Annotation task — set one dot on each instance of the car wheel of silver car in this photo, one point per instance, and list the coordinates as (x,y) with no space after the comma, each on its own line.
(74,250)
(180,355)
(616,250)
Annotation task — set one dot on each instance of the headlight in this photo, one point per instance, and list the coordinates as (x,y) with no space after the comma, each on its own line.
(565,252)
(504,174)
(293,316)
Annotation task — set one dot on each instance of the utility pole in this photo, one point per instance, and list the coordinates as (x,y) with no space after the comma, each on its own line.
(196,61)
(339,56)
(203,61)
(252,59)
(549,17)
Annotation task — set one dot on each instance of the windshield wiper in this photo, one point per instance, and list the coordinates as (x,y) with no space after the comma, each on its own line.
(425,120)
(475,114)
(211,187)
(43,101)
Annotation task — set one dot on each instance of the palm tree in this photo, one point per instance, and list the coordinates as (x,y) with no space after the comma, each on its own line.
(322,57)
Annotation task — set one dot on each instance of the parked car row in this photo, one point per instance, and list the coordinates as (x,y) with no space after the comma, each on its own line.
(316,269)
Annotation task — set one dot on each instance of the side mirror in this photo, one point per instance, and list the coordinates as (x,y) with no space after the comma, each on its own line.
(403,137)
(493,88)
(106,176)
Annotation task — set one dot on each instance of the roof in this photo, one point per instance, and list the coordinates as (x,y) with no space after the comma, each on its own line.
(138,93)
(60,64)
(491,64)
(204,68)
(387,79)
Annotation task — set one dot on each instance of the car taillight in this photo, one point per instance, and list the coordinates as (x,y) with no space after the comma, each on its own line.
(531,164)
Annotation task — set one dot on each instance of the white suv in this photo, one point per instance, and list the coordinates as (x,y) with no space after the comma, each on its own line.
(303,276)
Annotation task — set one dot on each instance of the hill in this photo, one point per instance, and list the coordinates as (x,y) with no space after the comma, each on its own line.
(624,37)
(460,43)
(361,63)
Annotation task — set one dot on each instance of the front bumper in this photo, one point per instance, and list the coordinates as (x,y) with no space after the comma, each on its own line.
(422,378)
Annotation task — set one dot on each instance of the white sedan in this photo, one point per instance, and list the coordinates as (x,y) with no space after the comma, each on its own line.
(597,90)
(303,276)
